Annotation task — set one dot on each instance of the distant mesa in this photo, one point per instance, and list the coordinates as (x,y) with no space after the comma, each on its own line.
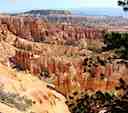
(43,12)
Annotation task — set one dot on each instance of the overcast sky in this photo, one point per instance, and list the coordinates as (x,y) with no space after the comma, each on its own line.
(20,5)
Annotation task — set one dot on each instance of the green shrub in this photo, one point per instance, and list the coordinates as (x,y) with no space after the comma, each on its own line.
(14,100)
(93,103)
(118,41)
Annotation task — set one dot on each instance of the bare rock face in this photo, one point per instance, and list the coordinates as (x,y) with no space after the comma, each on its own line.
(27,27)
(69,73)
(44,99)
(6,51)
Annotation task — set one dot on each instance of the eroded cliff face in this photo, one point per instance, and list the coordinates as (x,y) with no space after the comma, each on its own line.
(57,53)
(39,30)
(69,73)
(25,27)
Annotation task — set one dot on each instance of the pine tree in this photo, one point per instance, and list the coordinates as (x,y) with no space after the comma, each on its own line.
(124,4)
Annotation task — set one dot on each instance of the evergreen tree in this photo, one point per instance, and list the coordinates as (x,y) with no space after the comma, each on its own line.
(124,4)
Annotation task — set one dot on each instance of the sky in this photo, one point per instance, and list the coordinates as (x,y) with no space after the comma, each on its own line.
(22,5)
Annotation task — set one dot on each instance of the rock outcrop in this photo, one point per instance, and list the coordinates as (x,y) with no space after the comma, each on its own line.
(44,99)
(38,30)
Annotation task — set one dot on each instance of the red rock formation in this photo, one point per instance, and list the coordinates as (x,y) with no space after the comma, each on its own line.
(66,72)
(56,58)
(38,30)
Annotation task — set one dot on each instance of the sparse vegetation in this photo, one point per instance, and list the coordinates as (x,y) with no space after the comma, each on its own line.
(70,58)
(44,73)
(14,100)
(94,103)
(119,42)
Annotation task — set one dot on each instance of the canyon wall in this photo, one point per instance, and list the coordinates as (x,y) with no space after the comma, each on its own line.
(51,50)
(38,30)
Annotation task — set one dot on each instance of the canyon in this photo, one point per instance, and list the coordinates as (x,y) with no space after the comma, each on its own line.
(56,57)
(39,46)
